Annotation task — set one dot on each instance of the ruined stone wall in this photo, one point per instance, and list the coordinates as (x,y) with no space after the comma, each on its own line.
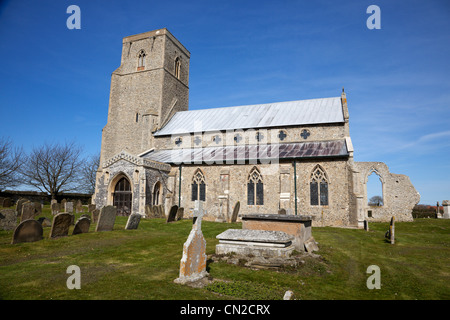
(399,194)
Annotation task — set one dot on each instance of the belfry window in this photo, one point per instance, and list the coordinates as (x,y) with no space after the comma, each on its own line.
(318,187)
(255,188)
(198,186)
(141,60)
(178,68)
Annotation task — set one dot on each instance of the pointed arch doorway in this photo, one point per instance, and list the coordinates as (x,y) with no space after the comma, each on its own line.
(122,197)
(157,194)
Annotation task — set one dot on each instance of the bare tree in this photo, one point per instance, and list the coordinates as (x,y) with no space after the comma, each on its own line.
(88,173)
(53,168)
(11,160)
(376,201)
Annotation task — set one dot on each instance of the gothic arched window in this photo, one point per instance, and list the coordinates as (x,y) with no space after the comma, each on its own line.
(141,60)
(255,188)
(178,68)
(198,186)
(318,187)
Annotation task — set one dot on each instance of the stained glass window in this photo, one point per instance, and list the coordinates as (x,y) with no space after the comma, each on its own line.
(255,188)
(318,187)
(198,186)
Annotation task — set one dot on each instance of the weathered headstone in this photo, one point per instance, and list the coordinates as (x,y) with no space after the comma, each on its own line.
(95,214)
(8,219)
(133,221)
(180,214)
(193,262)
(45,222)
(63,204)
(82,225)
(91,207)
(390,234)
(7,203)
(60,225)
(282,211)
(38,208)
(79,207)
(106,219)
(28,231)
(446,205)
(28,211)
(172,214)
(19,205)
(366,225)
(55,208)
(235,211)
(69,207)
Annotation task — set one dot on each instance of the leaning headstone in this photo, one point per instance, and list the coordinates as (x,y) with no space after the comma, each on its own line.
(390,234)
(235,211)
(28,211)
(95,214)
(180,214)
(28,231)
(172,214)
(55,208)
(82,225)
(106,219)
(193,261)
(7,203)
(8,219)
(133,221)
(69,207)
(60,225)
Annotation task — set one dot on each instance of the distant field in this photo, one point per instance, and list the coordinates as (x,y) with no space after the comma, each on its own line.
(142,264)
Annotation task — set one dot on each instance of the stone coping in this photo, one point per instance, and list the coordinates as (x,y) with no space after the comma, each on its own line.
(255,236)
(277,217)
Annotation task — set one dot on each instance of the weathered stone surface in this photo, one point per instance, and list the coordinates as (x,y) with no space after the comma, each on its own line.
(8,219)
(390,234)
(133,221)
(28,211)
(260,236)
(79,207)
(311,245)
(69,207)
(55,208)
(19,205)
(82,225)
(106,219)
(234,216)
(446,205)
(193,262)
(28,231)
(45,222)
(172,214)
(60,225)
(95,214)
(7,203)
(180,214)
(282,211)
(91,207)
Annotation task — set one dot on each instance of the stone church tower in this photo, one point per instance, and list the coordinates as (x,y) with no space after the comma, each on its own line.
(149,87)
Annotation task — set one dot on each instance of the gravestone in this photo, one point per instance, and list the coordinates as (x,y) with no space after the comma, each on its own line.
(180,214)
(82,225)
(8,219)
(172,214)
(390,234)
(235,211)
(60,225)
(19,205)
(27,231)
(366,225)
(133,221)
(79,207)
(446,205)
(193,261)
(91,207)
(28,211)
(282,211)
(38,208)
(7,203)
(95,214)
(55,208)
(68,207)
(106,219)
(63,204)
(45,222)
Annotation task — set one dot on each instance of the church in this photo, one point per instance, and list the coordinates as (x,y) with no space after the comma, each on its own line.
(291,155)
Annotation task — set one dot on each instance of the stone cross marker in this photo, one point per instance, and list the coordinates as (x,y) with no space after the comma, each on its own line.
(60,225)
(193,262)
(82,225)
(28,231)
(133,221)
(106,219)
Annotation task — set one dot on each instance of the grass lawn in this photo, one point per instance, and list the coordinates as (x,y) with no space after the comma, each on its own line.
(142,264)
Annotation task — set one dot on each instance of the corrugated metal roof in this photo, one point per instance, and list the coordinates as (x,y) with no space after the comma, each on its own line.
(301,112)
(262,153)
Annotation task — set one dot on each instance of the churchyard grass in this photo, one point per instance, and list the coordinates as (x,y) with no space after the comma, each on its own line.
(142,264)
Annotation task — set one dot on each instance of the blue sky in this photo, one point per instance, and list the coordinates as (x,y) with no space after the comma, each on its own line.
(54,82)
